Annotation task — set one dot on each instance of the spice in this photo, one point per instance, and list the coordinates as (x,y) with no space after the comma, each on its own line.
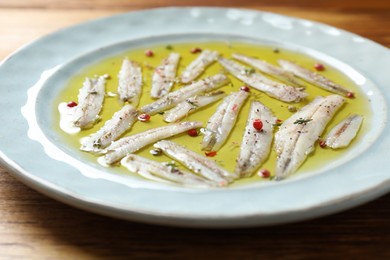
(322,143)
(245,88)
(278,122)
(195,50)
(350,95)
(71,104)
(319,67)
(301,121)
(193,132)
(211,153)
(257,124)
(169,47)
(149,53)
(144,117)
(264,173)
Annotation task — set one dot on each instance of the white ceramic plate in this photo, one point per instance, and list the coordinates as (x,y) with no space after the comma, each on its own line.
(32,151)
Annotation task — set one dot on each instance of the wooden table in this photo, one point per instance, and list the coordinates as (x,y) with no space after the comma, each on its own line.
(34,226)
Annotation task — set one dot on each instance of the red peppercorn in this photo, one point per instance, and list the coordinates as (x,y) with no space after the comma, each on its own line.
(71,104)
(211,153)
(193,132)
(319,67)
(322,143)
(144,117)
(257,124)
(350,95)
(149,53)
(245,88)
(195,50)
(264,173)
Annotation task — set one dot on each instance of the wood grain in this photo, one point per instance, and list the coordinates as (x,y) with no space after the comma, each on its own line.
(373,25)
(33,226)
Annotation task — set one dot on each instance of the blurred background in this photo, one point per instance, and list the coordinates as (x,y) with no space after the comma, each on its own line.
(24,20)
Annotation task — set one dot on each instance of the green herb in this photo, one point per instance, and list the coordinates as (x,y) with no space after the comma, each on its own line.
(161,113)
(192,103)
(277,124)
(301,121)
(173,167)
(292,109)
(171,164)
(249,71)
(169,47)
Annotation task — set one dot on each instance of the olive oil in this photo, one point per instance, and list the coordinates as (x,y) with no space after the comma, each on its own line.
(226,156)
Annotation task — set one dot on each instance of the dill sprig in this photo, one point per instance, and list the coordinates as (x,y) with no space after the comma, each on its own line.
(301,121)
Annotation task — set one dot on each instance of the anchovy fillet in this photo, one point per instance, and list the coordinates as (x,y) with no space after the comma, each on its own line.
(314,78)
(191,104)
(163,172)
(256,144)
(164,76)
(297,135)
(130,82)
(272,70)
(198,65)
(90,102)
(196,162)
(130,144)
(344,132)
(222,121)
(272,88)
(180,95)
(112,129)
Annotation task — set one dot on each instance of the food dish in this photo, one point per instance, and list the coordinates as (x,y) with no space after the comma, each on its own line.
(69,180)
(221,141)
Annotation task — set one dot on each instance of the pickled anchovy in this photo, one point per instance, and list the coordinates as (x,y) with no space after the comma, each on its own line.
(272,70)
(112,129)
(272,88)
(256,143)
(164,76)
(196,162)
(198,65)
(191,104)
(314,78)
(222,121)
(297,135)
(130,82)
(180,95)
(163,172)
(90,102)
(342,134)
(130,144)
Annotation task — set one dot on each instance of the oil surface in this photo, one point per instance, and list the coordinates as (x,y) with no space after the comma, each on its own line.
(228,154)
